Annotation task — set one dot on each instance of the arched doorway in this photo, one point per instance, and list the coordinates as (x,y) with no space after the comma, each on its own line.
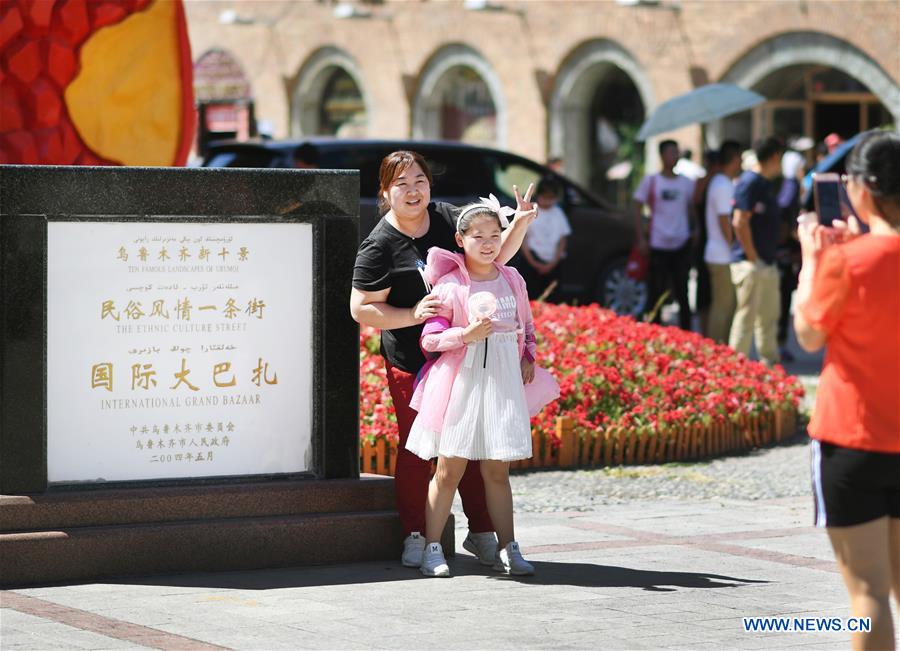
(599,102)
(459,98)
(815,85)
(329,98)
(224,99)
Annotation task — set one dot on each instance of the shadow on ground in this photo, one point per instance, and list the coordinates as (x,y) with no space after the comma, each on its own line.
(585,575)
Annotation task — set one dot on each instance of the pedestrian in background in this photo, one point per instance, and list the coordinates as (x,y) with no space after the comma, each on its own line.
(717,253)
(669,198)
(848,300)
(788,254)
(756,223)
(545,243)
(703,298)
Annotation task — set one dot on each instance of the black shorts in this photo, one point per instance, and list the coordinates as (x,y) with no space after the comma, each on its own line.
(853,486)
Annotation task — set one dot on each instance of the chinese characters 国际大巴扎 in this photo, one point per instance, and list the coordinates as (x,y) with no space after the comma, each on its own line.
(143,376)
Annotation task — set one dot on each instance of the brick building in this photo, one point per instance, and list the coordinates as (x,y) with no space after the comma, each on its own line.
(552,77)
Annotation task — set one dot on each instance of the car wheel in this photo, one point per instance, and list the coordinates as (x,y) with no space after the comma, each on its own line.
(619,292)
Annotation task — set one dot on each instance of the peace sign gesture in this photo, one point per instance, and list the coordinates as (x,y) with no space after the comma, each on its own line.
(526,210)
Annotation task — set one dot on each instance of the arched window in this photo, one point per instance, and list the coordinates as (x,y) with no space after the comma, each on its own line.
(808,100)
(329,98)
(342,111)
(218,76)
(459,98)
(817,85)
(467,109)
(223,97)
(600,99)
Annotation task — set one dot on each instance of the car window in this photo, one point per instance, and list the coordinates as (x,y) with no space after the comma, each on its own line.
(366,160)
(243,158)
(457,174)
(225,159)
(575,197)
(508,173)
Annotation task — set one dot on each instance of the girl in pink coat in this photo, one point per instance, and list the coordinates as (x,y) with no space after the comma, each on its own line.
(474,401)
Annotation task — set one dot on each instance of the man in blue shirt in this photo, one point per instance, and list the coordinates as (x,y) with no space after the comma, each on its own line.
(753,269)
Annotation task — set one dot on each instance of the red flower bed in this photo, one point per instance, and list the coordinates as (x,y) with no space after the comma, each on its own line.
(616,372)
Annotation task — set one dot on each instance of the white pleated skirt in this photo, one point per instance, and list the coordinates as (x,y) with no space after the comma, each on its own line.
(487,417)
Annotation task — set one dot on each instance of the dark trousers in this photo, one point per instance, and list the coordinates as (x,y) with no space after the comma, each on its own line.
(412,474)
(787,284)
(535,282)
(670,270)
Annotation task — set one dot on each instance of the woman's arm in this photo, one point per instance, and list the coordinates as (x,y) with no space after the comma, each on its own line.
(809,337)
(824,284)
(371,309)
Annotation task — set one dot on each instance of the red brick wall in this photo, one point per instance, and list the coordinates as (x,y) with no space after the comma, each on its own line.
(402,35)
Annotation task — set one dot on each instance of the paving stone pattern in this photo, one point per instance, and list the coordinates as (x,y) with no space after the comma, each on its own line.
(642,557)
(627,571)
(781,471)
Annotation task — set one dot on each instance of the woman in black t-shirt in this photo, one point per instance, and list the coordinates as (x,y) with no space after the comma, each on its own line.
(390,293)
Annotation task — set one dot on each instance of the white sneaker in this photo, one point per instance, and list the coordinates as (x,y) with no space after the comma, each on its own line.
(413,549)
(510,561)
(433,561)
(483,546)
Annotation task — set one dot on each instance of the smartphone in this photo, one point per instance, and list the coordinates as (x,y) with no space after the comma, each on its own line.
(827,197)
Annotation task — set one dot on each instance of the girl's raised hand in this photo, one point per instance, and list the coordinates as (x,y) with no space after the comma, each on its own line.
(526,210)
(477,330)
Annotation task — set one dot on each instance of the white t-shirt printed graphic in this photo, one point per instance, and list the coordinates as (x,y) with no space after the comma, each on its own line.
(506,317)
(669,227)
(719,201)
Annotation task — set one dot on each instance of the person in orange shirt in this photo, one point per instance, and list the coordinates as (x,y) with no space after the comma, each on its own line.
(849,301)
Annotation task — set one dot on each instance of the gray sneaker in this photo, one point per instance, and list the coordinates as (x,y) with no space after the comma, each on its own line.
(510,561)
(433,561)
(483,546)
(413,548)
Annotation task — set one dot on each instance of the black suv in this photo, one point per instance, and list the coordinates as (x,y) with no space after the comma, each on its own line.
(602,235)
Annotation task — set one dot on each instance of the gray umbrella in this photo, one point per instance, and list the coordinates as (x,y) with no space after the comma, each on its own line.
(700,105)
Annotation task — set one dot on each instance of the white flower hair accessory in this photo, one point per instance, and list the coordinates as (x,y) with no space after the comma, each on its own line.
(492,204)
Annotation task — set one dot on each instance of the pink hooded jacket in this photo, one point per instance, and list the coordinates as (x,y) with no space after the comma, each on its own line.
(444,334)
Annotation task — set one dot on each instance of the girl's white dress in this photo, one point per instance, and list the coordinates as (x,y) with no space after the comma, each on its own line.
(487,416)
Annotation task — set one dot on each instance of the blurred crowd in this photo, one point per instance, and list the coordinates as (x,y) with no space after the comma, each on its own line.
(732,222)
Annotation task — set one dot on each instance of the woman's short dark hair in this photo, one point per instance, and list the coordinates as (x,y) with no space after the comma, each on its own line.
(875,160)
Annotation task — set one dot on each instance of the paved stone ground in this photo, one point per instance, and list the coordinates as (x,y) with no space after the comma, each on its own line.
(761,474)
(647,573)
(650,557)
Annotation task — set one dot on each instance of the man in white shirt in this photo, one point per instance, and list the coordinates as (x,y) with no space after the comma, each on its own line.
(545,243)
(717,255)
(669,197)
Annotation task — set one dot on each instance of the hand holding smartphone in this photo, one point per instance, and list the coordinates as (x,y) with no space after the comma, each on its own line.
(827,197)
